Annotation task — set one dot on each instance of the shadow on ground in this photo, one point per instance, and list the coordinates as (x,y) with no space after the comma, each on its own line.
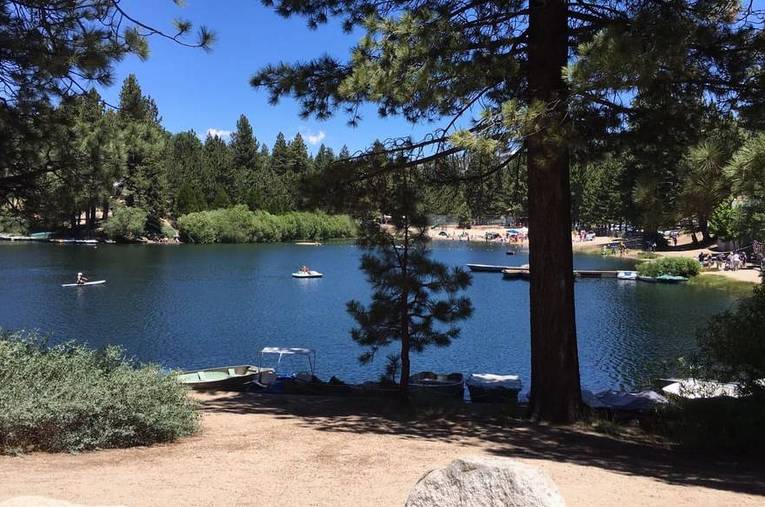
(502,435)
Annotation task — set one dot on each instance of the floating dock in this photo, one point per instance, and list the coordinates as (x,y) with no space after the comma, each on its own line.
(487,268)
(522,273)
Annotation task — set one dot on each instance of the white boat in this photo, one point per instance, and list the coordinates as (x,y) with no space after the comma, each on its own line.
(308,243)
(493,388)
(307,274)
(691,388)
(624,401)
(97,282)
(627,275)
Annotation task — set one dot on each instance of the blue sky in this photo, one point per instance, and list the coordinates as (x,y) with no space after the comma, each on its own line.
(198,90)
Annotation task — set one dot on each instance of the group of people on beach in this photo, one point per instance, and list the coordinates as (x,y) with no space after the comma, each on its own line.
(730,261)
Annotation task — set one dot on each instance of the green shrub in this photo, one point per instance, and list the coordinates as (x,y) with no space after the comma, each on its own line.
(11,224)
(240,225)
(729,425)
(126,224)
(732,344)
(70,398)
(677,266)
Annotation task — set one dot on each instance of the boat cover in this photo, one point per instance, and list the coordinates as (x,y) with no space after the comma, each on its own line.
(692,389)
(494,381)
(638,401)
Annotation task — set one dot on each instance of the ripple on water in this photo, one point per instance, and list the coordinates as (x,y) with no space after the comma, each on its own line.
(198,306)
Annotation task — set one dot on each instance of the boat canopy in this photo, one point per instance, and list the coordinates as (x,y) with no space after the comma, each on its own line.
(310,354)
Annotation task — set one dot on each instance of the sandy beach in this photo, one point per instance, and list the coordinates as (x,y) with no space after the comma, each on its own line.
(256,450)
(684,248)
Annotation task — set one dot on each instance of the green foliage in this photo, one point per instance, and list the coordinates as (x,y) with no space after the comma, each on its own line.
(11,224)
(189,200)
(729,425)
(724,221)
(240,225)
(72,398)
(416,301)
(732,344)
(126,224)
(221,199)
(676,266)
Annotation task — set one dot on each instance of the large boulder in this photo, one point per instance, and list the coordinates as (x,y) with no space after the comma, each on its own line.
(483,481)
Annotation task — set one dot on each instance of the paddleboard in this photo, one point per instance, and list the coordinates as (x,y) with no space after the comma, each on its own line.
(310,274)
(97,282)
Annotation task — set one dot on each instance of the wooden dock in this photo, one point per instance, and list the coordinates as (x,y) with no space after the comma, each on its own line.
(518,273)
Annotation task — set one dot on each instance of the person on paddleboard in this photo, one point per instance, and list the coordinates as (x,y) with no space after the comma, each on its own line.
(81,279)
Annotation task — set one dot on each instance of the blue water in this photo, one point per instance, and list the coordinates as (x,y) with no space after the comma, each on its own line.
(200,306)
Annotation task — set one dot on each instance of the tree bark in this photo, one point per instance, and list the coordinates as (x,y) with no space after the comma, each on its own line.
(555,388)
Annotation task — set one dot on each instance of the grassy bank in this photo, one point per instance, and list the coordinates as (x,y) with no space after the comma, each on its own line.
(71,398)
(240,225)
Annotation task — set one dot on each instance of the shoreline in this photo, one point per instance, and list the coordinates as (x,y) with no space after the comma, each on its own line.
(750,275)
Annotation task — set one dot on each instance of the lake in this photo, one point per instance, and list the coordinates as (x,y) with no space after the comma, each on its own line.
(193,306)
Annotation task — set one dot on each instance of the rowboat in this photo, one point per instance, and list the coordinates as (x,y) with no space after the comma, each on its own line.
(224,378)
(432,387)
(493,388)
(627,275)
(97,282)
(307,274)
(486,268)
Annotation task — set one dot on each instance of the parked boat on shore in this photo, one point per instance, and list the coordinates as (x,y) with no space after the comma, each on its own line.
(433,387)
(627,275)
(671,279)
(493,388)
(224,378)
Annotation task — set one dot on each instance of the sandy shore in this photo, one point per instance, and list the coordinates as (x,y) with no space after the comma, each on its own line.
(684,248)
(260,450)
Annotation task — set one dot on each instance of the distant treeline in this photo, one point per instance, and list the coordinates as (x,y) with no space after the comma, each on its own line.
(240,225)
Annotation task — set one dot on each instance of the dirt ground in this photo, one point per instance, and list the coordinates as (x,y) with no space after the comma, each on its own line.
(292,451)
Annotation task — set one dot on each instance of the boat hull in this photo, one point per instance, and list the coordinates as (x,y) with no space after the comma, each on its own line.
(310,274)
(225,378)
(97,282)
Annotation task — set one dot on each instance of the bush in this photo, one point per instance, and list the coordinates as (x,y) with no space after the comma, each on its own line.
(732,344)
(126,224)
(729,425)
(240,225)
(677,266)
(11,224)
(72,398)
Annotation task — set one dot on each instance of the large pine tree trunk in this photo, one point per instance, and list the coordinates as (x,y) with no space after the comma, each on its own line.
(555,390)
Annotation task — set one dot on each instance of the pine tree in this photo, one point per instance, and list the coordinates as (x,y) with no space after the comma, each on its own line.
(221,200)
(189,200)
(246,162)
(144,175)
(533,78)
(216,168)
(183,162)
(408,284)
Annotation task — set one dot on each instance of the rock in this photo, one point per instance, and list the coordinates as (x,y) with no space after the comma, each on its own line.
(481,481)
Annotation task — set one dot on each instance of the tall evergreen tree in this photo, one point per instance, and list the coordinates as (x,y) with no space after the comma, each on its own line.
(246,162)
(217,168)
(184,166)
(540,71)
(144,176)
(407,284)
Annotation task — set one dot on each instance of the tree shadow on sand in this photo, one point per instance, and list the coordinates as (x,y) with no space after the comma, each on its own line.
(501,435)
